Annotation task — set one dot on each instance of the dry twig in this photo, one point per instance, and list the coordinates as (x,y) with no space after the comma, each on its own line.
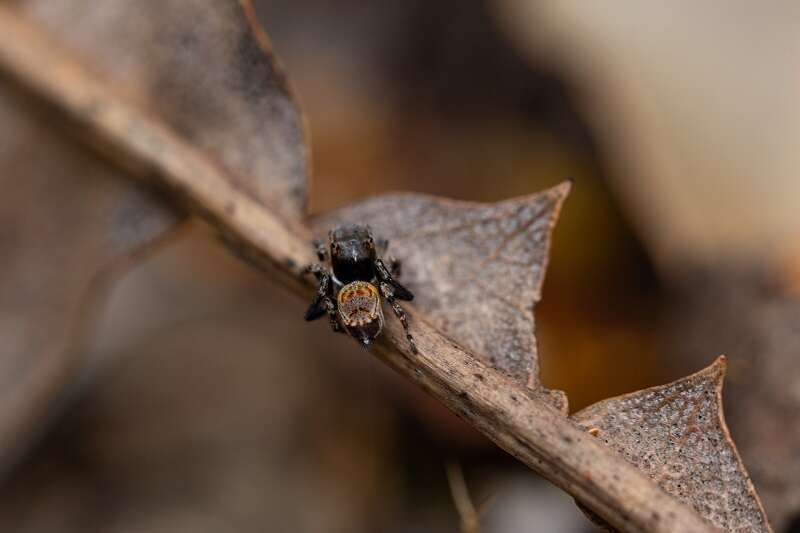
(469,516)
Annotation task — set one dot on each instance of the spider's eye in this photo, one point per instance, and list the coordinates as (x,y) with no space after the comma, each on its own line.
(335,247)
(369,242)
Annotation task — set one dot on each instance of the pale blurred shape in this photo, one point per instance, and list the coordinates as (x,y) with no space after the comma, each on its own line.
(526,504)
(696,103)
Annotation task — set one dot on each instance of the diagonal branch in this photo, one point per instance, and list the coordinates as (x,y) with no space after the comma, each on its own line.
(516,419)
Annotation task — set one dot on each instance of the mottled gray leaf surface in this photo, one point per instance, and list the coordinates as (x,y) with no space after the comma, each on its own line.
(65,217)
(746,314)
(676,433)
(206,69)
(476,269)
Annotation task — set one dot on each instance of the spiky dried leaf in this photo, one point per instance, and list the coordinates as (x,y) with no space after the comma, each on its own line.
(677,434)
(744,313)
(476,269)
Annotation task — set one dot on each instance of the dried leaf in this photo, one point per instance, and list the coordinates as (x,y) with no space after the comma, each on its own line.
(476,269)
(744,313)
(676,433)
(207,70)
(65,217)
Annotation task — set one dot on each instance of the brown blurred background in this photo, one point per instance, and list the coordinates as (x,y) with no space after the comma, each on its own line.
(211,406)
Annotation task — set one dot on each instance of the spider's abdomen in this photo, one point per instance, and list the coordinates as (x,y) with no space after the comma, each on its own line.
(360,312)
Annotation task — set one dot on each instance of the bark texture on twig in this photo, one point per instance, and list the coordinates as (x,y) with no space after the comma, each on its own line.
(520,422)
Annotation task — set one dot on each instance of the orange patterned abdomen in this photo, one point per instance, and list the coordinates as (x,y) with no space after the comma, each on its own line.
(359,304)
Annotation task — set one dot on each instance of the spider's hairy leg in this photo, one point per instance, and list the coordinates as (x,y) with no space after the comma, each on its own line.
(317,307)
(330,307)
(388,292)
(399,291)
(323,301)
(381,247)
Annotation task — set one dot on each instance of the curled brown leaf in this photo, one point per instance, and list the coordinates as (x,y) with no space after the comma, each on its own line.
(206,69)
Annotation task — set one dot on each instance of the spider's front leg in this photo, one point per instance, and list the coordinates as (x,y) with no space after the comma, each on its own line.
(382,247)
(323,299)
(399,291)
(388,292)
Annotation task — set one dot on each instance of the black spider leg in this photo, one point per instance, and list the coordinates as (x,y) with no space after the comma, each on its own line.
(400,292)
(381,247)
(323,299)
(388,292)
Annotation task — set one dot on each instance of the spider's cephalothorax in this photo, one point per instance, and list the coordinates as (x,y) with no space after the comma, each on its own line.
(350,291)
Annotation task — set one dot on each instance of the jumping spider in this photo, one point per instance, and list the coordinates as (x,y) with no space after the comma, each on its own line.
(350,292)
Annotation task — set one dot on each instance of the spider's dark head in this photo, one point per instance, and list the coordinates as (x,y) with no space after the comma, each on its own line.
(352,253)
